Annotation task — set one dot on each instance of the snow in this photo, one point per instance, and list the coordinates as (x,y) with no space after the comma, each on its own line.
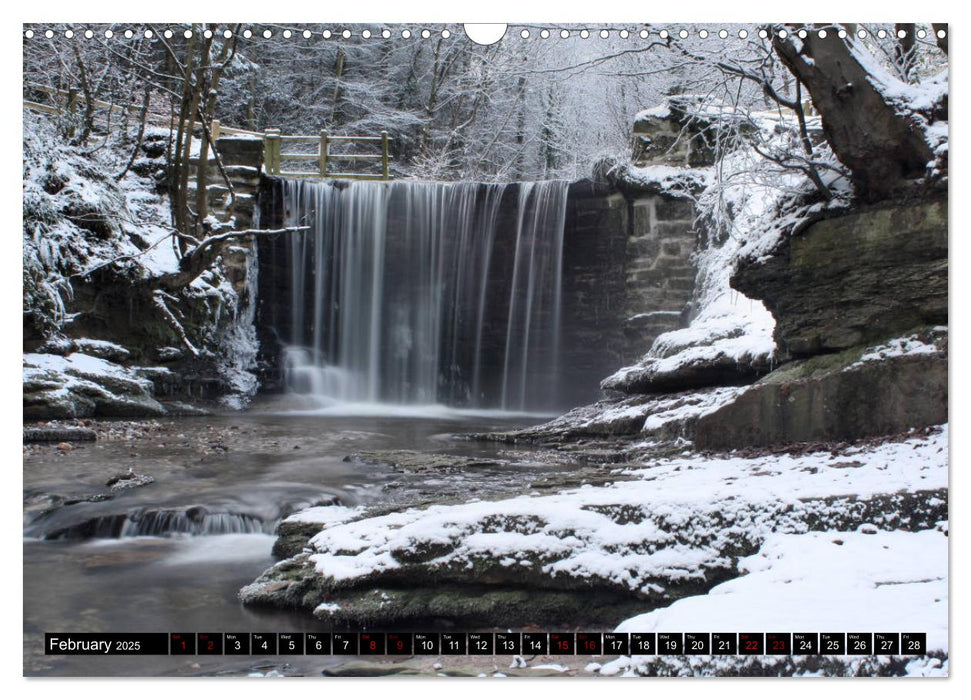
(325,515)
(77,364)
(665,178)
(146,212)
(661,111)
(917,101)
(921,96)
(683,506)
(679,410)
(102,347)
(78,218)
(329,608)
(898,347)
(927,667)
(824,582)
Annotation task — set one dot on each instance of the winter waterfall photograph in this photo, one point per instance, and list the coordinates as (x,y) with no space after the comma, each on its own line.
(591,351)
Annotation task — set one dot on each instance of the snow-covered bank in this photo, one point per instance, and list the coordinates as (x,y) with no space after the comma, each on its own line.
(862,581)
(97,240)
(666,529)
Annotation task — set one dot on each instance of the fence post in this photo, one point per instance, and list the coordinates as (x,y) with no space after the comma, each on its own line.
(271,151)
(384,154)
(214,129)
(324,147)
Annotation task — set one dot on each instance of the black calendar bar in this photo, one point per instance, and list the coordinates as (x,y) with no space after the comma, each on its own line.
(562,643)
(263,643)
(96,644)
(487,643)
(317,643)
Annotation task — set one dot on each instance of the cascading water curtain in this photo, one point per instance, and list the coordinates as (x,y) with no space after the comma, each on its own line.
(424,293)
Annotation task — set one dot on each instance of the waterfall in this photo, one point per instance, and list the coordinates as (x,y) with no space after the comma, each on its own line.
(426,293)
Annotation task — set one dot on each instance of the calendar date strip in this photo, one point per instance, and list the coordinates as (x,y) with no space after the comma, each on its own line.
(487,643)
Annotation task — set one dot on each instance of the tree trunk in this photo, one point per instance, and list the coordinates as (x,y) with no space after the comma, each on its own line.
(338,77)
(883,149)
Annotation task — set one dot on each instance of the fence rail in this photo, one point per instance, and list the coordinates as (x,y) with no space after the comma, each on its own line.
(273,140)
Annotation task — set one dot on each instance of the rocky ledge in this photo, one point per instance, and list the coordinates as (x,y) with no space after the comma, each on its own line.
(859,392)
(854,279)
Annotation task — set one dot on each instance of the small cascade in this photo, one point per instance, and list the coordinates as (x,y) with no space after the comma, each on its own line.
(196,520)
(426,293)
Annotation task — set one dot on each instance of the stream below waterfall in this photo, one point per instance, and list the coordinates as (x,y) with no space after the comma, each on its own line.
(172,555)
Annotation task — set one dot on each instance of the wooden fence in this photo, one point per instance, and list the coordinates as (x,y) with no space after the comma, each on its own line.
(274,155)
(273,140)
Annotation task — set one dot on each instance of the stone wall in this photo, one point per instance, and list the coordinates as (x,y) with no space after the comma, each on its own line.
(242,159)
(660,273)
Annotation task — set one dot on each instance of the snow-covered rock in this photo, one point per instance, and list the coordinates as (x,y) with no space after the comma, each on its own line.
(80,385)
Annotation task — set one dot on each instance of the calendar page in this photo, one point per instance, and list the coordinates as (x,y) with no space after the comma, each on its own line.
(488,350)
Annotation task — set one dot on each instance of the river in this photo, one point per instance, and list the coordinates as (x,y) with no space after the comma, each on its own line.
(171,556)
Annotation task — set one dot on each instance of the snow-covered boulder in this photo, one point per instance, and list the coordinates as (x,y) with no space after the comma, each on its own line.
(79,385)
